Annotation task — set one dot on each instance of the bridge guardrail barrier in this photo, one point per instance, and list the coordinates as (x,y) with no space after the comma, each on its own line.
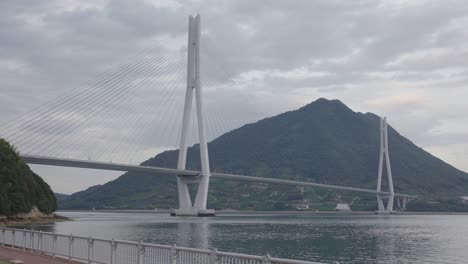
(105,251)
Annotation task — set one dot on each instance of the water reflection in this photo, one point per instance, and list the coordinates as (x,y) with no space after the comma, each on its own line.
(193,234)
(327,238)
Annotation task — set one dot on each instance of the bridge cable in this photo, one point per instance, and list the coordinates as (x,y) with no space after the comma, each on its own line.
(72,93)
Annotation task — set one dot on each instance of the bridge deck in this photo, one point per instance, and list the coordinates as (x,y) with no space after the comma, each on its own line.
(89,164)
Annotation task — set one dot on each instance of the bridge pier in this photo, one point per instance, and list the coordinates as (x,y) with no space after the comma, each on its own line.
(403,201)
(198,207)
(384,154)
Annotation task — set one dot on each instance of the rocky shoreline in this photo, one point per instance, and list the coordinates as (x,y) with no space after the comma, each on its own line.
(35,216)
(15,221)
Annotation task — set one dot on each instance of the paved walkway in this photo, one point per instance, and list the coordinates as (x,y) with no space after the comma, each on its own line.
(10,254)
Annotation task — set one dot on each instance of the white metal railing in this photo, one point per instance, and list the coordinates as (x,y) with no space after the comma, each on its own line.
(97,250)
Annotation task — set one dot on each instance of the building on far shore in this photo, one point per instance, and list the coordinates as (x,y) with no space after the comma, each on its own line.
(463,199)
(302,207)
(342,207)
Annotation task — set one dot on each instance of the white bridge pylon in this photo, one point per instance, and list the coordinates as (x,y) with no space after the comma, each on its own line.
(198,207)
(384,154)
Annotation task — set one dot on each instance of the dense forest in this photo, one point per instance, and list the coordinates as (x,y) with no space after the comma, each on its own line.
(20,188)
(324,142)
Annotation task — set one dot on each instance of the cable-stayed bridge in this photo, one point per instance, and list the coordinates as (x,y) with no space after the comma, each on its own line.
(161,99)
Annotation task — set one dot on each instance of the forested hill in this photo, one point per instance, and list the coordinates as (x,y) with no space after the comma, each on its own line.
(324,142)
(20,188)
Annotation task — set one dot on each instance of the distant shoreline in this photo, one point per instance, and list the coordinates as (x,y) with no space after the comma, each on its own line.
(235,212)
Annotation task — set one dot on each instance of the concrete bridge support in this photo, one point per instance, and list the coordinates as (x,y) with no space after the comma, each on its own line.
(384,153)
(186,207)
(402,201)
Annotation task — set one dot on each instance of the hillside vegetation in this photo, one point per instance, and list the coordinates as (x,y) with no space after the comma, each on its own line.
(20,188)
(324,142)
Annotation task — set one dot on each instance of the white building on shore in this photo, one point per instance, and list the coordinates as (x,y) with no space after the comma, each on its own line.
(342,207)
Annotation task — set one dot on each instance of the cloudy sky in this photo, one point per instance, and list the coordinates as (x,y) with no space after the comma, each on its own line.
(407,60)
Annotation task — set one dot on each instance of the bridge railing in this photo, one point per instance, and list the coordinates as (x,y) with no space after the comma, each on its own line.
(97,250)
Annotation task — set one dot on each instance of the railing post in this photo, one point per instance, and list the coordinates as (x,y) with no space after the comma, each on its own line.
(13,238)
(90,249)
(214,256)
(266,259)
(70,247)
(174,254)
(141,253)
(39,242)
(54,245)
(24,239)
(3,238)
(113,248)
(32,241)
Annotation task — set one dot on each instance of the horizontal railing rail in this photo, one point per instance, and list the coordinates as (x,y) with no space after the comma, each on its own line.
(105,251)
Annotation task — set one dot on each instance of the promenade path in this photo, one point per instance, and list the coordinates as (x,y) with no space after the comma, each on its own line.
(26,257)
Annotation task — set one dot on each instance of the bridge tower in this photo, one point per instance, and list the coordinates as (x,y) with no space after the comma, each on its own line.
(384,154)
(198,207)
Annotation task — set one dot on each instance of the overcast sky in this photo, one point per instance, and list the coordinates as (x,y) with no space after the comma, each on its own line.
(406,60)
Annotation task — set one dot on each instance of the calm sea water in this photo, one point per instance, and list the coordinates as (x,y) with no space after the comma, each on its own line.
(327,238)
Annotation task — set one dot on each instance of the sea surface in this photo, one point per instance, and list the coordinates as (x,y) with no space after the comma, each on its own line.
(315,237)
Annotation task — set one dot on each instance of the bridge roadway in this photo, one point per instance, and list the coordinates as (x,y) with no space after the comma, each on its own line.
(89,164)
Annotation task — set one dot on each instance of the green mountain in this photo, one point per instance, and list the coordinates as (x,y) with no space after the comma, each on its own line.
(20,188)
(324,142)
(61,196)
